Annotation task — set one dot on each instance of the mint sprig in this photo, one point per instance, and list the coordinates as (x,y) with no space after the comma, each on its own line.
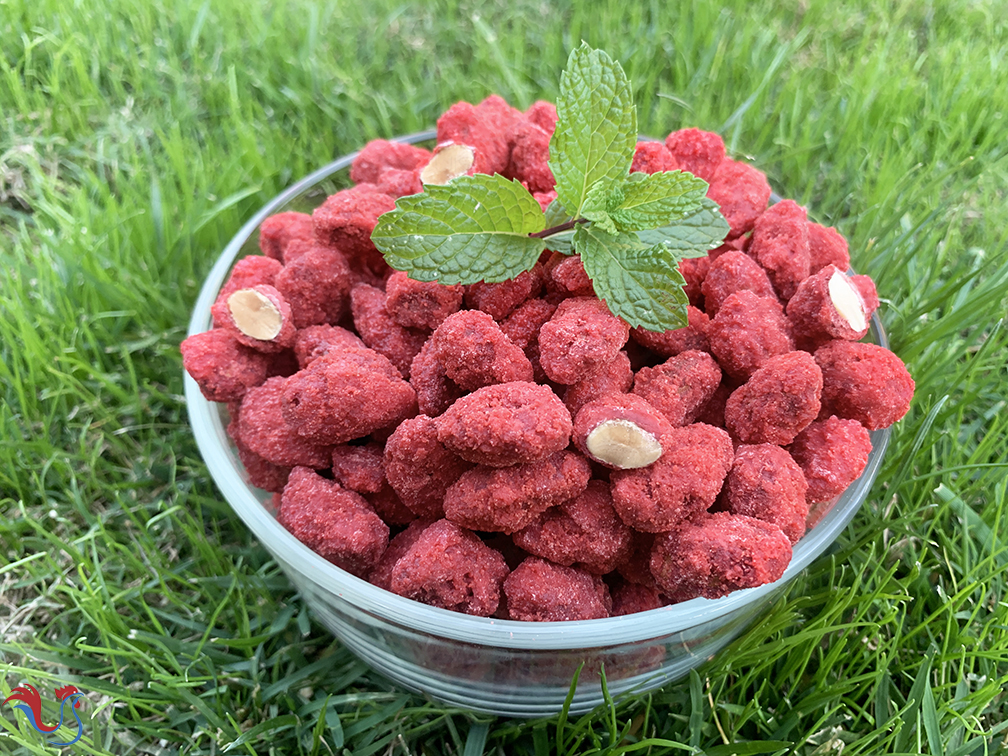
(630,229)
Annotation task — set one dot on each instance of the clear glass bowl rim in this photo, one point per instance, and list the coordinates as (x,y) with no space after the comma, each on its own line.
(208,430)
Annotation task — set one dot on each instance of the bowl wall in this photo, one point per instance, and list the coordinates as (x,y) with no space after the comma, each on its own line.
(502,667)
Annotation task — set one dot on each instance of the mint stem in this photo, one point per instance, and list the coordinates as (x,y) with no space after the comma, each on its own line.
(558,229)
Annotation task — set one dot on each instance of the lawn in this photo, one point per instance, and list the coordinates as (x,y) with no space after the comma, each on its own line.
(136,136)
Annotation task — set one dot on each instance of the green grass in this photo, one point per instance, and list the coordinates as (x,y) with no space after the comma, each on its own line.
(136,137)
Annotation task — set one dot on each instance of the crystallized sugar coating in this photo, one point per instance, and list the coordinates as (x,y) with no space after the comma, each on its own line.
(675,341)
(543,114)
(566,276)
(380,332)
(620,431)
(499,300)
(630,598)
(827,305)
(679,387)
(540,591)
(747,331)
(864,382)
(262,428)
(832,453)
(732,272)
(826,247)
(718,554)
(505,424)
(584,530)
(529,156)
(464,124)
(766,483)
(522,329)
(316,286)
(614,377)
(694,270)
(359,468)
(261,473)
(223,368)
(389,506)
(696,151)
(381,575)
(780,245)
(419,467)
(507,499)
(778,401)
(682,484)
(652,157)
(334,523)
(279,231)
(866,288)
(742,192)
(581,336)
(379,155)
(343,396)
(420,304)
(345,221)
(316,341)
(450,567)
(475,352)
(435,391)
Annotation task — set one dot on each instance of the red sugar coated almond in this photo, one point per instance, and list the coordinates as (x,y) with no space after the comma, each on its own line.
(766,483)
(381,575)
(718,554)
(747,331)
(263,429)
(317,341)
(420,304)
(780,245)
(742,193)
(544,115)
(681,485)
(316,286)
(507,499)
(261,473)
(359,468)
(832,453)
(450,567)
(585,531)
(380,332)
(435,391)
(567,275)
(343,396)
(522,329)
(615,377)
(419,467)
(529,156)
(501,117)
(827,305)
(260,318)
(334,523)
(396,182)
(679,387)
(826,247)
(506,424)
(636,566)
(475,352)
(464,124)
(387,504)
(581,336)
(279,231)
(778,402)
(696,151)
(694,271)
(379,155)
(638,428)
(630,598)
(499,300)
(652,157)
(864,382)
(866,288)
(223,368)
(540,591)
(345,221)
(732,272)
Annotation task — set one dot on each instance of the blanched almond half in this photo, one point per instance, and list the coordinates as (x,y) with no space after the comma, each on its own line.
(255,315)
(449,162)
(847,301)
(623,444)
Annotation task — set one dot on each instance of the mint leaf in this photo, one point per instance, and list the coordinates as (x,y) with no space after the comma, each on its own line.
(639,283)
(555,215)
(657,199)
(693,235)
(475,228)
(600,199)
(596,128)
(561,242)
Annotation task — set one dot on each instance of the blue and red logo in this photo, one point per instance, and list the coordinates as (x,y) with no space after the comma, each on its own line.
(31,705)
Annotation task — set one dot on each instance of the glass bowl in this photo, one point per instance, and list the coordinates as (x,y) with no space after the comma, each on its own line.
(503,667)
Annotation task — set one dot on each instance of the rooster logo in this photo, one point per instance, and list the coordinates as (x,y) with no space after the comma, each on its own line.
(31,705)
